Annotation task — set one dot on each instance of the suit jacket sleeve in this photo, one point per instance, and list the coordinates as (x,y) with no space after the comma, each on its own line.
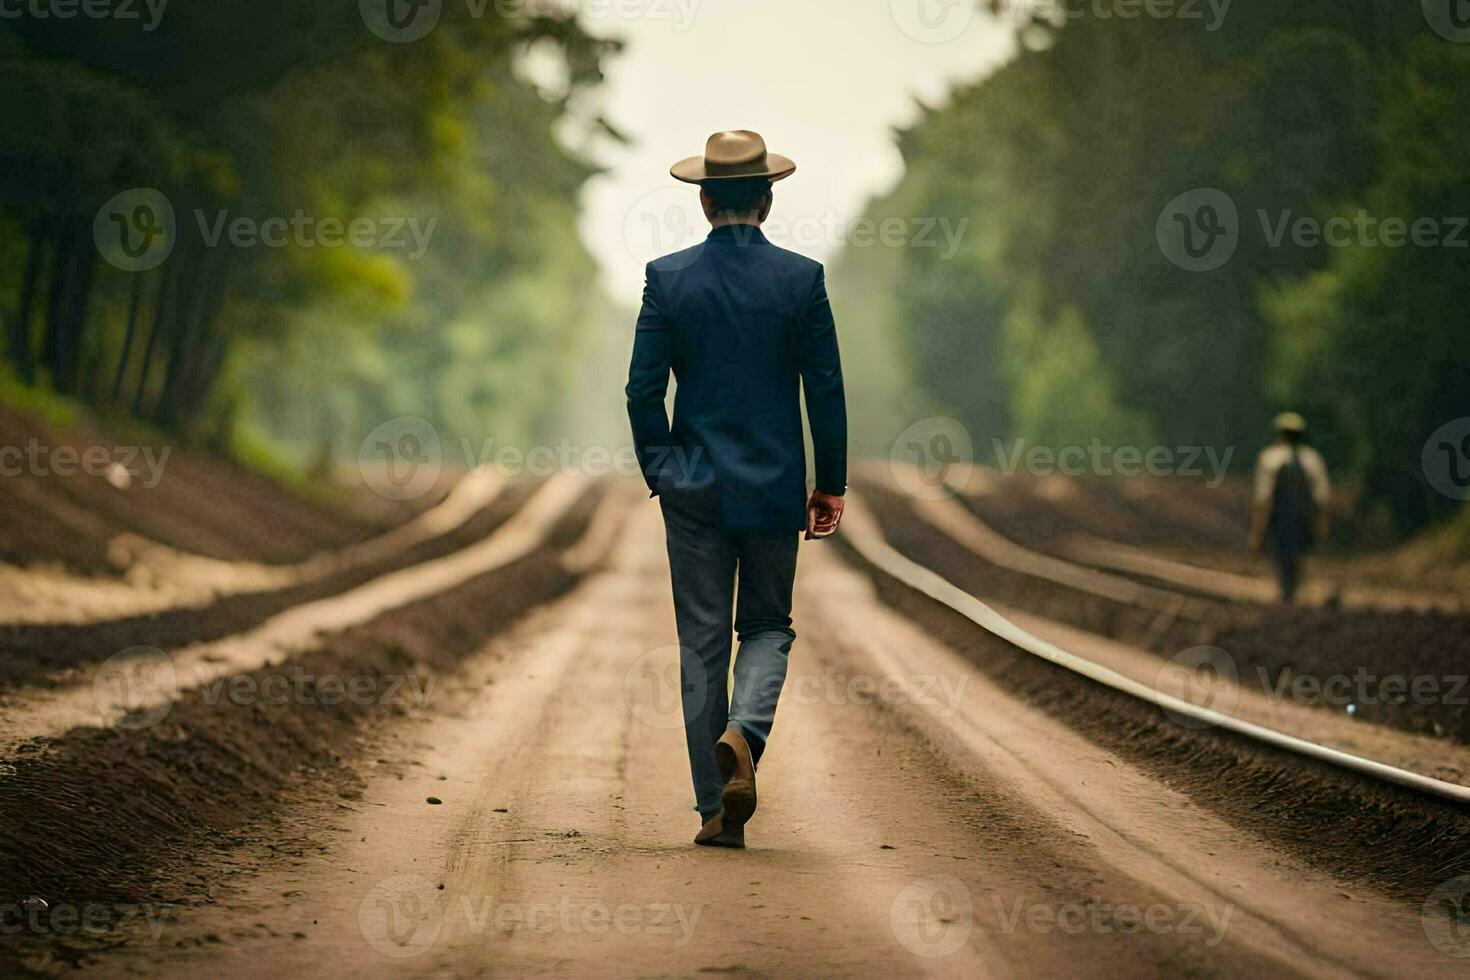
(648,382)
(821,379)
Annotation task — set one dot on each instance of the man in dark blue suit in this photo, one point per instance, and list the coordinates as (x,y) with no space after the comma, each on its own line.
(745,327)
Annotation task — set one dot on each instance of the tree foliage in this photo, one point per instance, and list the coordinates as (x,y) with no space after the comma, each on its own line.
(268,111)
(1062,319)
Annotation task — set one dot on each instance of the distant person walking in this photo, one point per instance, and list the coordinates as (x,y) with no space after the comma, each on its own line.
(1290,504)
(745,327)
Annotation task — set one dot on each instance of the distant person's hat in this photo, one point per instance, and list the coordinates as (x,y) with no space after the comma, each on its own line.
(731,155)
(1291,422)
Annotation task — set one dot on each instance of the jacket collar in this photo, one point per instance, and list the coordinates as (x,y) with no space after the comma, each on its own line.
(737,235)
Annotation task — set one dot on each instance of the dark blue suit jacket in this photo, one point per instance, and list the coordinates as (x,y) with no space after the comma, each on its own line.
(744,326)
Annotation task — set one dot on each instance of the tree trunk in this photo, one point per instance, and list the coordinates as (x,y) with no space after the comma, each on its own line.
(161,307)
(75,323)
(135,300)
(61,274)
(21,327)
(209,350)
(185,333)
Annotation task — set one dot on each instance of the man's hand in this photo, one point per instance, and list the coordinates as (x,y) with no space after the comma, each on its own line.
(823,514)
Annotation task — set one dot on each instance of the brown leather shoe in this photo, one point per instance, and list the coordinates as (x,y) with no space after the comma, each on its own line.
(738,770)
(714,833)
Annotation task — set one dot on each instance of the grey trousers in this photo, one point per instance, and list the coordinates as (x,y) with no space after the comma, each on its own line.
(706,564)
(1288,570)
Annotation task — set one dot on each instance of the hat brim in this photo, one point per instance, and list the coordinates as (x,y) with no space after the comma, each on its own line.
(1291,422)
(691,170)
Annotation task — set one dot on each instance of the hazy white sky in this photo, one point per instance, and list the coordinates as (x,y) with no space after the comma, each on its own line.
(824,81)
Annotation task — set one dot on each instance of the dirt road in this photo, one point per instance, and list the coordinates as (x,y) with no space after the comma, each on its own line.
(915,819)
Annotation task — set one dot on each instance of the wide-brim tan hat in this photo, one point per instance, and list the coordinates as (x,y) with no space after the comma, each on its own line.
(731,155)
(1291,422)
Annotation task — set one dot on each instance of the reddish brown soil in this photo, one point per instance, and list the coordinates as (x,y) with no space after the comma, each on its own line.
(200,504)
(1367,647)
(147,815)
(28,651)
(1366,832)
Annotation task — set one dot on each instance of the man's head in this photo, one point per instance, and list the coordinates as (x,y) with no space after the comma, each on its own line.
(746,200)
(1290,427)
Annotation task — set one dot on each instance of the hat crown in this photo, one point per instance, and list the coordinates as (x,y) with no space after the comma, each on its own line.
(734,146)
(1290,422)
(733,154)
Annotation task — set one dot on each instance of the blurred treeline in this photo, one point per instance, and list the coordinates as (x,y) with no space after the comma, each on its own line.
(1060,320)
(270,108)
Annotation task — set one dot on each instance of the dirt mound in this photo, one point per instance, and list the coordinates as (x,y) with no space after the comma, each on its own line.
(30,650)
(1388,838)
(1408,670)
(1366,653)
(63,509)
(123,815)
